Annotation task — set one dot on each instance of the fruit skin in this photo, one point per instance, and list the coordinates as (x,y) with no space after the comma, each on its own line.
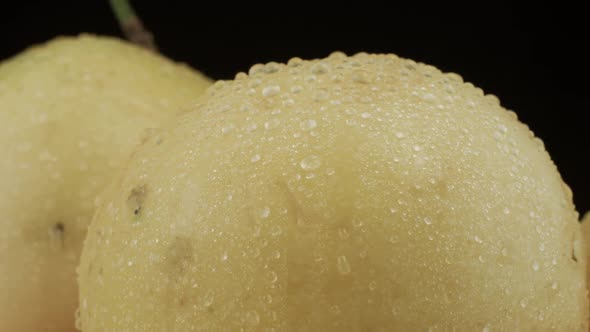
(365,193)
(70,112)
(585,222)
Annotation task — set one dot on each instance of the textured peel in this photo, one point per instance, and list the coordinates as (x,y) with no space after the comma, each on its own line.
(586,235)
(70,112)
(364,193)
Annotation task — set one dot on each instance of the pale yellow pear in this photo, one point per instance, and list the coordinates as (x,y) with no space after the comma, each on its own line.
(586,233)
(364,193)
(71,110)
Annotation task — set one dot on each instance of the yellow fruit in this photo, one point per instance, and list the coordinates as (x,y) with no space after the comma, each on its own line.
(70,112)
(365,193)
(586,235)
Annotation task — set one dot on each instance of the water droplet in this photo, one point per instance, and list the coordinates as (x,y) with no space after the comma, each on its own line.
(359,77)
(427,221)
(265,212)
(357,222)
(271,67)
(335,309)
(130,263)
(506,210)
(343,265)
(417,148)
(271,90)
(343,233)
(554,285)
(296,89)
(255,158)
(321,95)
(330,171)
(308,124)
(276,254)
(320,68)
(535,266)
(504,252)
(251,317)
(477,239)
(273,277)
(542,247)
(251,127)
(487,328)
(372,285)
(207,299)
(523,303)
(276,230)
(365,115)
(399,134)
(310,162)
(271,124)
(295,62)
(267,298)
(225,256)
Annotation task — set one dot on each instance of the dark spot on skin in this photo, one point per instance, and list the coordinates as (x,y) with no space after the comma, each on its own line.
(59,227)
(136,200)
(574,258)
(58,233)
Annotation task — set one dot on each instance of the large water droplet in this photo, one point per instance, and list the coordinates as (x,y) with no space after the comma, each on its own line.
(272,123)
(310,162)
(308,124)
(271,90)
(251,317)
(320,68)
(343,265)
(265,212)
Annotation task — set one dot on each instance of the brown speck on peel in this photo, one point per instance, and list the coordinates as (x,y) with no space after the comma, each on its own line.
(136,199)
(574,258)
(58,233)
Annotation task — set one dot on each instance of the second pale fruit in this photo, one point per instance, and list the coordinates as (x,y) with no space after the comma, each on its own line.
(71,111)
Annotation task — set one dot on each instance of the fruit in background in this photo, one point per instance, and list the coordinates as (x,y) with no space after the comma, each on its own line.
(364,193)
(70,113)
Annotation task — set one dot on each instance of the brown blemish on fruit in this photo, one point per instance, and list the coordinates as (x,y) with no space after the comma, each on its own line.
(136,199)
(58,233)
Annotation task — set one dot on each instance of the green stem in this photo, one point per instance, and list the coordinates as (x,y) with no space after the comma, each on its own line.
(123,10)
(131,24)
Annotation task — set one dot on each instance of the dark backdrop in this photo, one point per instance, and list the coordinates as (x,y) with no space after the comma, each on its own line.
(533,58)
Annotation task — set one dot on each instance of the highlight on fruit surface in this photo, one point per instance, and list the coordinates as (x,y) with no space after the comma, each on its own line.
(363,193)
(71,110)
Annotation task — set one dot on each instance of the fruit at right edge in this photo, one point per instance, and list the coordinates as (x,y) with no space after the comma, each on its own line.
(586,234)
(71,111)
(364,193)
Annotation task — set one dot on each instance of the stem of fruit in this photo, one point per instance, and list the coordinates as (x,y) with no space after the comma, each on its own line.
(132,26)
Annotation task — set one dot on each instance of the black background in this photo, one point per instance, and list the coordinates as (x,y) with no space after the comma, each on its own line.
(533,58)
